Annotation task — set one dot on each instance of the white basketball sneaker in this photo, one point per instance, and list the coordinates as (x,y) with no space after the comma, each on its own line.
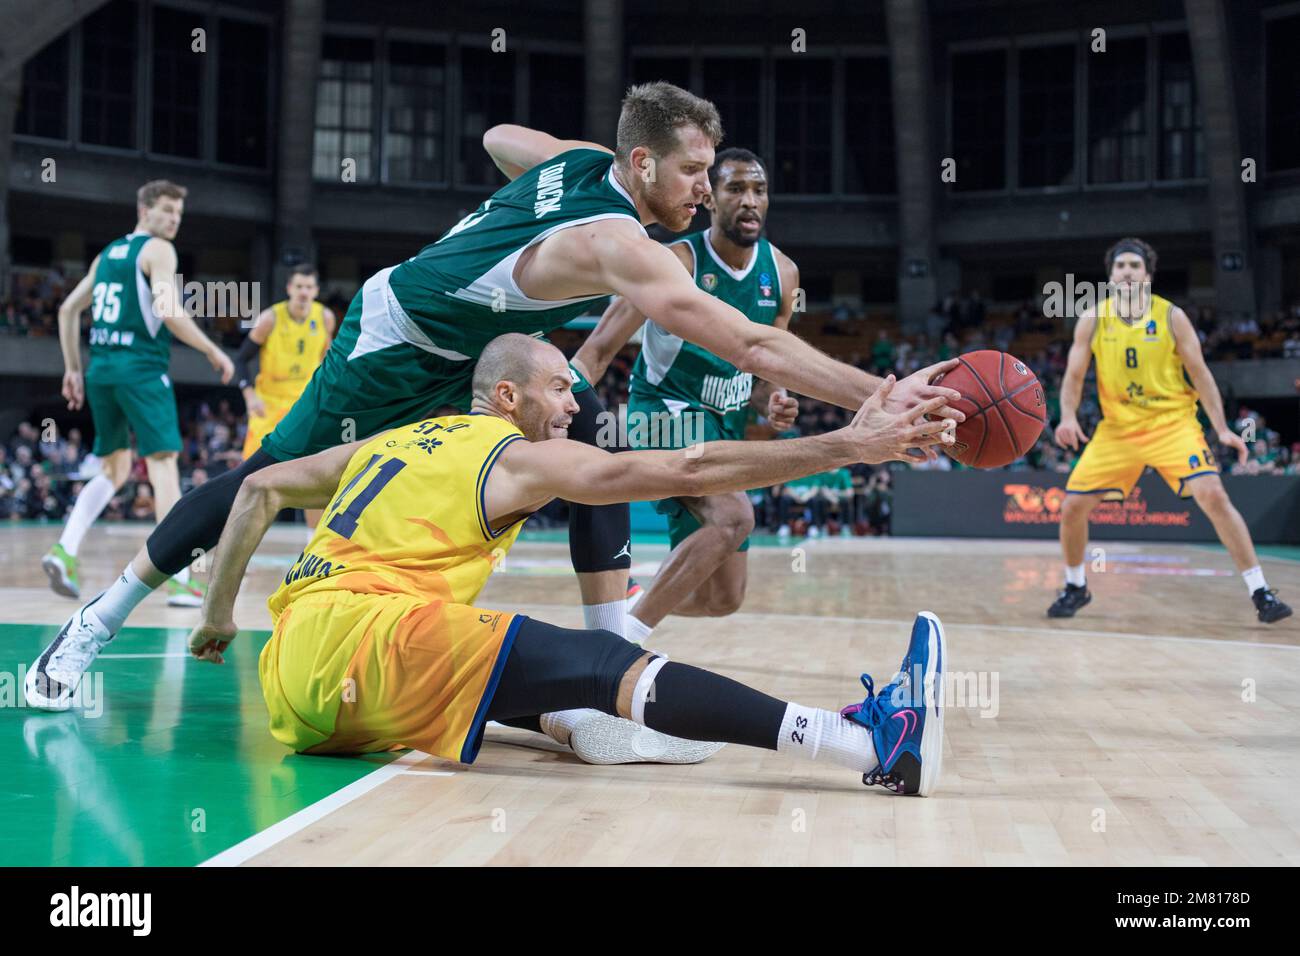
(53,679)
(605,739)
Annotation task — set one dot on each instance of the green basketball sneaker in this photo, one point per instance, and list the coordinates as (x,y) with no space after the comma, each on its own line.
(61,568)
(185,594)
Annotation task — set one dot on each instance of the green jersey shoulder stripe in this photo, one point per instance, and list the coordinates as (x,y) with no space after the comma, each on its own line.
(459,293)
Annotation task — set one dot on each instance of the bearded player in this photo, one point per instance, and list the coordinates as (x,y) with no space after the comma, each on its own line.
(706,570)
(1146,351)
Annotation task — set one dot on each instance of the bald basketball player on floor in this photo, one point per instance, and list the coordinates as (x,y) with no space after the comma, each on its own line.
(378,645)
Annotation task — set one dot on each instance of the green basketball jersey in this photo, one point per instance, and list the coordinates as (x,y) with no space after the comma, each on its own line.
(459,293)
(128,342)
(683,375)
(413,332)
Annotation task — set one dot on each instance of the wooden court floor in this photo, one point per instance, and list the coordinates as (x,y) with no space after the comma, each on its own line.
(1160,726)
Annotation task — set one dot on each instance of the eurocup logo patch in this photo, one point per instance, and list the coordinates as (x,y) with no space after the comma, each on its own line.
(709,281)
(765,284)
(1194,461)
(313,325)
(1151,327)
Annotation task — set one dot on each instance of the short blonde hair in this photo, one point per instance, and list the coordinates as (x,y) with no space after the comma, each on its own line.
(151,192)
(652,114)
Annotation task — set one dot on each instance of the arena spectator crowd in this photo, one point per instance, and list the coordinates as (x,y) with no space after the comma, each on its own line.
(39,478)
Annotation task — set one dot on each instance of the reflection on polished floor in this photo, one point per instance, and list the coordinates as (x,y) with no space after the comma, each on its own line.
(1161,725)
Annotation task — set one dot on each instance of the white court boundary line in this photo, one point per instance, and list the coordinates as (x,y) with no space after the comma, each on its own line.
(138,657)
(1013,628)
(245,850)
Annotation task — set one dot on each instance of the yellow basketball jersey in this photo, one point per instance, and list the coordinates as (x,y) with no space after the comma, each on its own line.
(290,353)
(408,516)
(1139,374)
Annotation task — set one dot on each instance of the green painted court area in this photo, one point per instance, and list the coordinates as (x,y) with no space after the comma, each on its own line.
(169,764)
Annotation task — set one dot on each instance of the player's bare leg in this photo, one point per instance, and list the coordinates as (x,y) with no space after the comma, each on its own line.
(725,522)
(1212,498)
(721,593)
(1074,542)
(60,564)
(165,478)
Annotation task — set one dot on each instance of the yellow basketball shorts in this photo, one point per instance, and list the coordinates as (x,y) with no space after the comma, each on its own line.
(1113,461)
(259,426)
(358,673)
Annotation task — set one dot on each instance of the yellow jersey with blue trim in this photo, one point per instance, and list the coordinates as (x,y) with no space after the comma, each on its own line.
(1140,378)
(408,516)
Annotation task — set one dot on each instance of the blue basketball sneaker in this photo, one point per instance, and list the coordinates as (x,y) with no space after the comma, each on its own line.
(906,717)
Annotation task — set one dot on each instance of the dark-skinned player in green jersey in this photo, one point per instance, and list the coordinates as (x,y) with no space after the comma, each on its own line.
(706,571)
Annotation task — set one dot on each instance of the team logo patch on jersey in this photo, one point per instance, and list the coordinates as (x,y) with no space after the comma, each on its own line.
(709,281)
(1151,327)
(1194,461)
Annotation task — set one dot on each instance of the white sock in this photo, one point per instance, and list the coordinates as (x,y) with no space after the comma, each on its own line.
(609,616)
(559,725)
(94,497)
(183,575)
(824,735)
(1074,575)
(638,632)
(1254,578)
(121,598)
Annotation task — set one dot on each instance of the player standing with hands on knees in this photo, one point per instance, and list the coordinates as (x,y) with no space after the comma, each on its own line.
(1146,350)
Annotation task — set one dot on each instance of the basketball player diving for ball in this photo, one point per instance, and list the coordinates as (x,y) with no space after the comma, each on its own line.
(377,642)
(706,571)
(1146,350)
(568,229)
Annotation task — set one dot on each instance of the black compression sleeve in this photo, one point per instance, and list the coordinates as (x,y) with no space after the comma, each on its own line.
(248,350)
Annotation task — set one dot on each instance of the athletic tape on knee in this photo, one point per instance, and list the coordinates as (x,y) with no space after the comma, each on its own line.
(644,685)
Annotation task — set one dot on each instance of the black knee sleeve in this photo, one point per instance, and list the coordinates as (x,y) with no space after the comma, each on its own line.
(554,668)
(600,536)
(196,520)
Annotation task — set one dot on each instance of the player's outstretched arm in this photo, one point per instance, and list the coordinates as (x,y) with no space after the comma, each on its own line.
(1188,346)
(648,276)
(1068,433)
(78,300)
(304,483)
(158,262)
(619,323)
(528,474)
(517,149)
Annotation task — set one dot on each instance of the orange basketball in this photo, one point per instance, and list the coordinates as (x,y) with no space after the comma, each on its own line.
(1004,407)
